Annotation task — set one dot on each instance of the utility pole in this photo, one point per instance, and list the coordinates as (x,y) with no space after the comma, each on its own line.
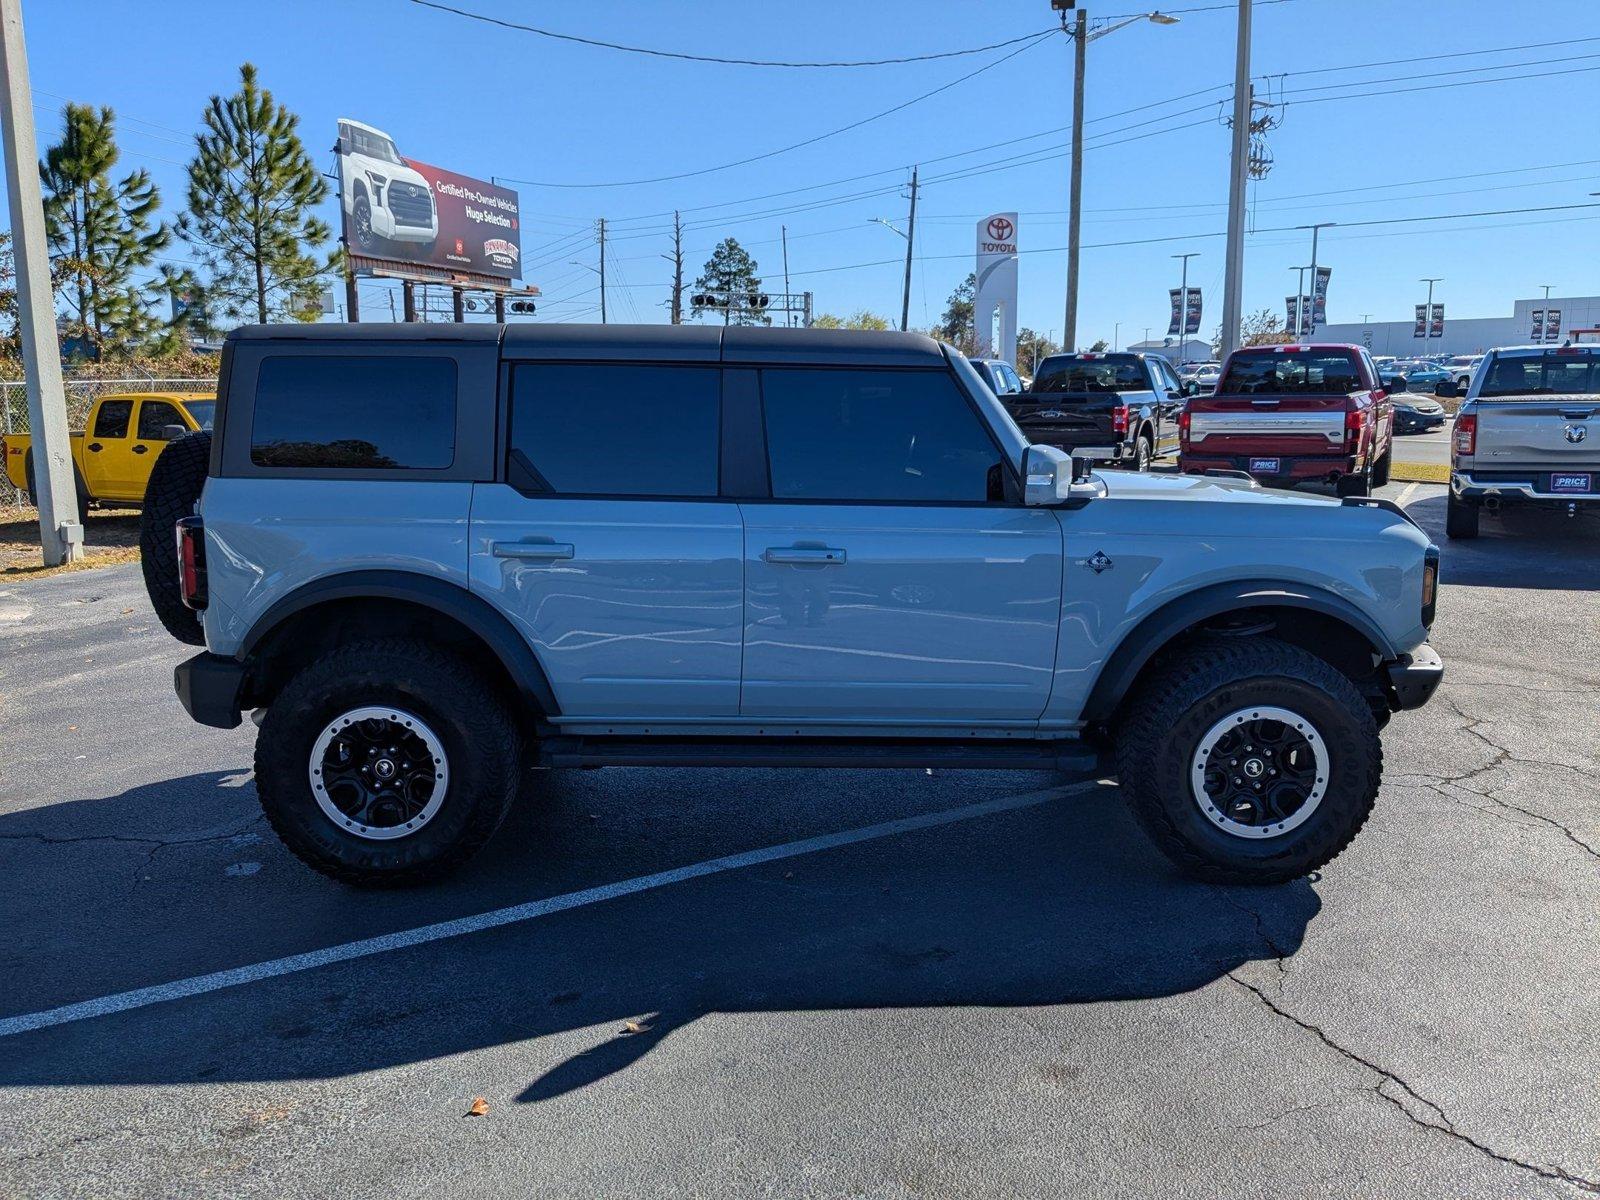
(1427,313)
(1080,57)
(788,315)
(1238,173)
(60,534)
(911,238)
(602,270)
(1183,308)
(675,306)
(1116,336)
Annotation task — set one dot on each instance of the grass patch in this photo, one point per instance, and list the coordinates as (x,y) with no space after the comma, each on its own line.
(110,536)
(1420,472)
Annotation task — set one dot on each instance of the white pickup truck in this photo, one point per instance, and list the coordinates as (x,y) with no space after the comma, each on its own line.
(1528,433)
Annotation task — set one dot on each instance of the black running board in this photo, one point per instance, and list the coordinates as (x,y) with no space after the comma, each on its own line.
(1072,757)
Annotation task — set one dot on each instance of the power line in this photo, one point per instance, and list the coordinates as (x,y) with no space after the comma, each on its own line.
(707,58)
(1031,42)
(1429,58)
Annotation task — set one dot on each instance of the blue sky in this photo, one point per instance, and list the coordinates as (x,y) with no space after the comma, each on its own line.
(490,101)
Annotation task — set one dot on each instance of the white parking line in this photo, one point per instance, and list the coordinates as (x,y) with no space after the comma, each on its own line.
(217,980)
(1411,490)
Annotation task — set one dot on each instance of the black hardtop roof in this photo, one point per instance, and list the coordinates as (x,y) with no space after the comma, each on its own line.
(753,345)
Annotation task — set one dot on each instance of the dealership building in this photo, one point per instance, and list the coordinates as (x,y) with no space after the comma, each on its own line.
(1575,317)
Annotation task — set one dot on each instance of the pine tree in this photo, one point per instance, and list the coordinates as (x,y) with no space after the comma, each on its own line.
(730,274)
(956,326)
(253,190)
(100,232)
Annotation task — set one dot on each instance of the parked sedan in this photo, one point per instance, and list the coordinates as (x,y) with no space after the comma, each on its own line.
(1417,414)
(1422,376)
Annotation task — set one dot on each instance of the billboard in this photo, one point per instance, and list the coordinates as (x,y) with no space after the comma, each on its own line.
(400,211)
(995,302)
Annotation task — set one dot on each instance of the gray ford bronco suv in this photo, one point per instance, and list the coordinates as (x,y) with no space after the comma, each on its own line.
(427,559)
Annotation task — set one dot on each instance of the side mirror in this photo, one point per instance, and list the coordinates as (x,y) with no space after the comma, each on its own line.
(1052,476)
(171,433)
(1192,388)
(1446,389)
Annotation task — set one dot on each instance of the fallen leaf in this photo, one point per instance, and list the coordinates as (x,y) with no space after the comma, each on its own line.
(126,611)
(72,729)
(480,1108)
(635,1027)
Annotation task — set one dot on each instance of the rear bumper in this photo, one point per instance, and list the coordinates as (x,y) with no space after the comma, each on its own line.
(1465,486)
(1291,469)
(1414,677)
(208,687)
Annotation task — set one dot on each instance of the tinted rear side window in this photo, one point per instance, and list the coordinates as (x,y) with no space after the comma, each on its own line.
(615,430)
(155,416)
(1292,372)
(375,414)
(112,420)
(875,435)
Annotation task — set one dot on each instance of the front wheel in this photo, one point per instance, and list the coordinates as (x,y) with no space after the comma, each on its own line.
(387,762)
(1249,761)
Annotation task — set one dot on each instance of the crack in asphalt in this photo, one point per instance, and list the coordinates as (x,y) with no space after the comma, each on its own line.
(1440,1122)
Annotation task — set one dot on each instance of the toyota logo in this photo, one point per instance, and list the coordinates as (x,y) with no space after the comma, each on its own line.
(1000,229)
(1576,433)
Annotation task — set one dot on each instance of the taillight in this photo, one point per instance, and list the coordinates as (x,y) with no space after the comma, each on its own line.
(1355,421)
(1119,419)
(1466,439)
(1183,427)
(191,535)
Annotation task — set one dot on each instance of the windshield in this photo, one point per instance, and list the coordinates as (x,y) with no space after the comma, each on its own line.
(1299,372)
(1102,373)
(203,411)
(374,145)
(1549,374)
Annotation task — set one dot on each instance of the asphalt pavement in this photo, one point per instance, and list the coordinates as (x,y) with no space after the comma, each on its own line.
(1432,448)
(886,984)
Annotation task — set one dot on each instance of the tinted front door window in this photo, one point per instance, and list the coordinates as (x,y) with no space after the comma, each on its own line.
(155,416)
(884,435)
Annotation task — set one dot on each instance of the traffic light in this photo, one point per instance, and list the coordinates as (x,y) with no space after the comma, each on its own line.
(524,308)
(759,301)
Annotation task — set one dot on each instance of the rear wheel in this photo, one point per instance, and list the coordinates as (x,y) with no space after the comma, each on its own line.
(1354,484)
(386,763)
(1460,518)
(1382,468)
(1249,760)
(1142,453)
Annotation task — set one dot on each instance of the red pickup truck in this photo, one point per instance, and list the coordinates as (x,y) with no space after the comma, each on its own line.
(1293,414)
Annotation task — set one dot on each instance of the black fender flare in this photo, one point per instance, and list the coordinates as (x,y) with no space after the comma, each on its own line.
(1142,642)
(452,600)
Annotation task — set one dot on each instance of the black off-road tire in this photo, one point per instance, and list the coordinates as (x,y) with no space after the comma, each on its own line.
(1382,469)
(480,739)
(1460,518)
(1172,711)
(171,494)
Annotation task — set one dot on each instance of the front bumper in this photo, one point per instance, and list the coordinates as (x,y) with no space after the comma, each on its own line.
(208,687)
(1414,677)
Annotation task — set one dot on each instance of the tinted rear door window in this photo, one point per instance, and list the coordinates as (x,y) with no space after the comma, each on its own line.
(615,430)
(875,435)
(112,419)
(376,414)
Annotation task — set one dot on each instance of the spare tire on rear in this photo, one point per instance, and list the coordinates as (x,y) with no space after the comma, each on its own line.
(173,491)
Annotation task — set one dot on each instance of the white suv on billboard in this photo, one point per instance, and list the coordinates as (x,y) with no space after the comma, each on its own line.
(384,199)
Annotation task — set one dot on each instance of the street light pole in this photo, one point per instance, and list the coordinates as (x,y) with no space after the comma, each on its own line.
(1315,230)
(1239,166)
(1299,302)
(1427,313)
(1183,308)
(1081,37)
(60,534)
(1080,46)
(1547,287)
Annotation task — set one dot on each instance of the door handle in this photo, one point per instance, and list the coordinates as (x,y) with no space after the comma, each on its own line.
(141,449)
(96,447)
(802,554)
(547,551)
(1576,414)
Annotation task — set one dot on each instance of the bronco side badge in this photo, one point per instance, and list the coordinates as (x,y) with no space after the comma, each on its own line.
(1097,562)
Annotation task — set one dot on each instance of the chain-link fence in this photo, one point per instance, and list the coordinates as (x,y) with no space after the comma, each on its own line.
(81,395)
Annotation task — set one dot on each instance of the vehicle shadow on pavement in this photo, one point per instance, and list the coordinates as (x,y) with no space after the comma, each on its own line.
(1060,904)
(1528,549)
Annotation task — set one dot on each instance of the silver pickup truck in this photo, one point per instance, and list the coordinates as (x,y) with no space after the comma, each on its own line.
(1527,434)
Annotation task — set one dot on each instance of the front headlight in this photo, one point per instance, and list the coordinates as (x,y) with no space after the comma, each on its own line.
(380,180)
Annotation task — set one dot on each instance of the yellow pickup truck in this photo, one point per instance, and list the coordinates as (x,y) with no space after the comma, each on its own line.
(112,457)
